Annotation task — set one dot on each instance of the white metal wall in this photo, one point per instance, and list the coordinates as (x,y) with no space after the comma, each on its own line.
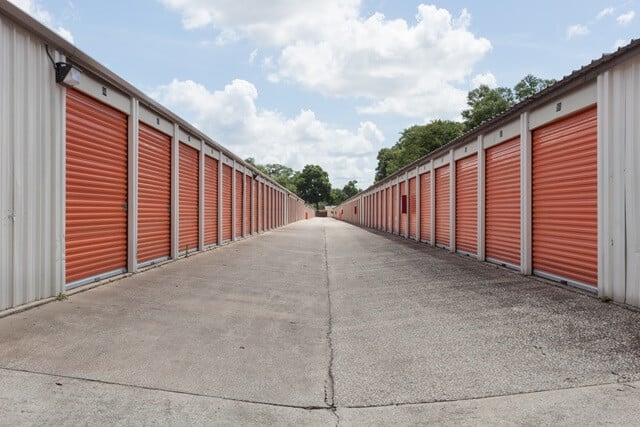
(31,170)
(618,186)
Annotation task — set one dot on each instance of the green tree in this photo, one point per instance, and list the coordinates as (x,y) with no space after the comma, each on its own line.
(312,184)
(350,189)
(485,103)
(252,162)
(281,174)
(530,85)
(414,143)
(337,196)
(386,163)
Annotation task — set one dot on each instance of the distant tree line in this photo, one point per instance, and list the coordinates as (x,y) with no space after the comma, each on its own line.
(311,184)
(484,104)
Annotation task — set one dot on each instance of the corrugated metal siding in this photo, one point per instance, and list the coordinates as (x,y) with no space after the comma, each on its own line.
(388,209)
(442,206)
(96,189)
(239,204)
(31,171)
(467,204)
(210,201)
(502,202)
(394,208)
(565,217)
(247,205)
(425,207)
(189,192)
(260,206)
(403,216)
(256,207)
(412,208)
(227,194)
(154,194)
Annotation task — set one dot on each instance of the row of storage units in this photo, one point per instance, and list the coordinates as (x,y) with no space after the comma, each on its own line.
(548,188)
(98,179)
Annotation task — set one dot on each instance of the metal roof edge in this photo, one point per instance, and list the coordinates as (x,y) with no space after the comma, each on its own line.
(79,58)
(568,83)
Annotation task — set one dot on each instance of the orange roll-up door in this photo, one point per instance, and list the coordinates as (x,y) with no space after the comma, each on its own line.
(442,206)
(96,189)
(227,194)
(404,208)
(189,192)
(502,203)
(565,199)
(239,204)
(154,194)
(425,207)
(467,204)
(210,201)
(412,208)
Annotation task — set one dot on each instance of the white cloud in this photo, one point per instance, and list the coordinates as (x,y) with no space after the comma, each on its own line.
(626,18)
(605,12)
(487,79)
(33,8)
(231,117)
(413,69)
(252,56)
(577,31)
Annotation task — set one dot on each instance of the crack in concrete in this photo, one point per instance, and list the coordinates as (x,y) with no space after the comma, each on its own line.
(164,390)
(330,381)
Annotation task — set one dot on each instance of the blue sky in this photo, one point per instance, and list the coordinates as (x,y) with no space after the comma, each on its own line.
(331,82)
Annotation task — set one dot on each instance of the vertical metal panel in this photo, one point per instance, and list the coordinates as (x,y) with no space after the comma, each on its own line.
(132,186)
(502,239)
(618,189)
(189,197)
(389,218)
(394,209)
(466,204)
(442,206)
(239,203)
(425,207)
(403,216)
(565,217)
(210,201)
(260,206)
(412,208)
(256,206)
(227,194)
(96,189)
(31,171)
(247,205)
(154,194)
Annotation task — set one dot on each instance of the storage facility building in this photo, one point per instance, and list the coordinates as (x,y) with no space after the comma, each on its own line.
(550,187)
(97,179)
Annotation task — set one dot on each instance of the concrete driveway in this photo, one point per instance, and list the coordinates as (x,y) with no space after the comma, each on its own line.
(322,323)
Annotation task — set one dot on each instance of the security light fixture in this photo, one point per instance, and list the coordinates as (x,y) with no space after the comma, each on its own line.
(66,74)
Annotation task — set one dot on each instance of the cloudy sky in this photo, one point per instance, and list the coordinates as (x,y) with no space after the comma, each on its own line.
(331,82)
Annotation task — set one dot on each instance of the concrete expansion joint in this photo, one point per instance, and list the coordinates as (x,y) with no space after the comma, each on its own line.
(330,381)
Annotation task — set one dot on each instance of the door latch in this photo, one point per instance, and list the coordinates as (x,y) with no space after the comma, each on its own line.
(125,206)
